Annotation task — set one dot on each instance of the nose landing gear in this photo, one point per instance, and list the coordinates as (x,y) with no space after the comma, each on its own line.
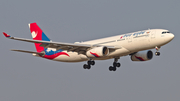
(157,49)
(157,53)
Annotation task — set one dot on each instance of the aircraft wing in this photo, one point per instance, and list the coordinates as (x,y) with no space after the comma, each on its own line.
(59,45)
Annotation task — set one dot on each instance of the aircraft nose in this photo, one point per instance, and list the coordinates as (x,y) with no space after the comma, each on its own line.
(168,38)
(171,36)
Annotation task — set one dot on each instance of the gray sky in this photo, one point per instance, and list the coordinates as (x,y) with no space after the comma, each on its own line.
(27,78)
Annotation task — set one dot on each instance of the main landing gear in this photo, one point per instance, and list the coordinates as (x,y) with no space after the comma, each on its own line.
(88,65)
(111,68)
(115,64)
(157,49)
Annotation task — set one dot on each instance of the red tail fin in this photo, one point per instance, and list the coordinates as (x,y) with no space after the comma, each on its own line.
(37,34)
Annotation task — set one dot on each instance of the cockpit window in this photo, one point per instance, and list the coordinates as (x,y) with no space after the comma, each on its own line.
(165,32)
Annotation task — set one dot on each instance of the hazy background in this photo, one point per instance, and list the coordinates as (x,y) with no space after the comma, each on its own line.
(27,78)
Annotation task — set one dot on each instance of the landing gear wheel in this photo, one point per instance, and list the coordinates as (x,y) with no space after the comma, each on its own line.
(114,64)
(157,49)
(92,63)
(88,66)
(85,66)
(110,68)
(157,53)
(89,62)
(114,68)
(118,64)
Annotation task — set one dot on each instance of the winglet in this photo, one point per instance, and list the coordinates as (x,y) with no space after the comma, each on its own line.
(6,35)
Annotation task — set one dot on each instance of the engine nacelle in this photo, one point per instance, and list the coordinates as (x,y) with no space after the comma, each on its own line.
(97,52)
(142,56)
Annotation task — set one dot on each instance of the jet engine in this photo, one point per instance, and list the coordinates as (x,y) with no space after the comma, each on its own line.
(97,52)
(142,56)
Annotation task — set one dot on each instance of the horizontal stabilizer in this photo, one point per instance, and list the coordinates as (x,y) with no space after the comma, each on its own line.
(41,54)
(6,35)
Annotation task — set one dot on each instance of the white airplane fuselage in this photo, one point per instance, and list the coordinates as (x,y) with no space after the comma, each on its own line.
(126,44)
(136,44)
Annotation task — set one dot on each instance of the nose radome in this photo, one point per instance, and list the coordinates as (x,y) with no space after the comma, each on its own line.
(171,36)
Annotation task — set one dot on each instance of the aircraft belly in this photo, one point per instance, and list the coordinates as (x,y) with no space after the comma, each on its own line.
(119,52)
(73,57)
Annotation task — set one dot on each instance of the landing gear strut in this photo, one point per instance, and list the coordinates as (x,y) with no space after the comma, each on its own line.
(157,49)
(115,64)
(88,65)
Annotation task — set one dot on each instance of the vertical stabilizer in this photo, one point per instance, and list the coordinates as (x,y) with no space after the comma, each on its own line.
(37,34)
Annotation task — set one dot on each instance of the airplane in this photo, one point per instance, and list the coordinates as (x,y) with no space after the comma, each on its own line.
(136,44)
